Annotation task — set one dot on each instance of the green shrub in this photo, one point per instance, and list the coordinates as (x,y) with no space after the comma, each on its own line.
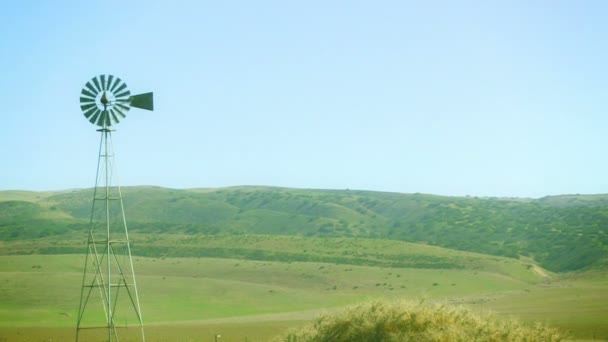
(405,321)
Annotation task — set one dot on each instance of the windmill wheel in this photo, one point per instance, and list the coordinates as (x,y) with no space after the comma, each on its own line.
(105,100)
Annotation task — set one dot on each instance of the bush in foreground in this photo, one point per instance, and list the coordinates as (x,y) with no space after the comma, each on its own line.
(405,321)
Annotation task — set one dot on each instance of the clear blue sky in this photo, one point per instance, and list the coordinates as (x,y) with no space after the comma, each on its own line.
(483,98)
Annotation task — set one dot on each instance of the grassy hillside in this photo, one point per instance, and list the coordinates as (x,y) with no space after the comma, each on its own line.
(336,251)
(562,233)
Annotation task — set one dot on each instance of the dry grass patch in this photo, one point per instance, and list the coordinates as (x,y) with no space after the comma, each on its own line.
(406,321)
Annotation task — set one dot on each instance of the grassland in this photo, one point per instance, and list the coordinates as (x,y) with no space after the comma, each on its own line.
(196,297)
(347,251)
(250,262)
(288,286)
(575,302)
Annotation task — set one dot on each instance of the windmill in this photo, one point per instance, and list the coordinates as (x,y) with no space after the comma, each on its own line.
(109,276)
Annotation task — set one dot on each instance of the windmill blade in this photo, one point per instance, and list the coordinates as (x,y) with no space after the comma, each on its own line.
(103,82)
(86,106)
(85,100)
(108,119)
(117,82)
(113,116)
(143,101)
(119,111)
(125,93)
(122,86)
(104,120)
(123,109)
(97,85)
(93,118)
(91,88)
(110,79)
(88,113)
(85,92)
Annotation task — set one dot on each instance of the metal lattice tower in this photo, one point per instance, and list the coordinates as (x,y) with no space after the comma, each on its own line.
(109,276)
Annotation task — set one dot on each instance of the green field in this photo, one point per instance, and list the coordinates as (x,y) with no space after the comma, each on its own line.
(193,298)
(250,262)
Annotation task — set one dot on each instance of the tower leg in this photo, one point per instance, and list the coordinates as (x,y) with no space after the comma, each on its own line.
(108,261)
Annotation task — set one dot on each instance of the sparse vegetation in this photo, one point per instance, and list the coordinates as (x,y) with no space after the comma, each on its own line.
(405,321)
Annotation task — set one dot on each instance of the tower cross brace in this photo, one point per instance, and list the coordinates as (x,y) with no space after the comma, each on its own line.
(109,275)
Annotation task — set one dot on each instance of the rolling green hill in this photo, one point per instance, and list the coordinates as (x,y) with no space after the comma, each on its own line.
(562,233)
(251,261)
